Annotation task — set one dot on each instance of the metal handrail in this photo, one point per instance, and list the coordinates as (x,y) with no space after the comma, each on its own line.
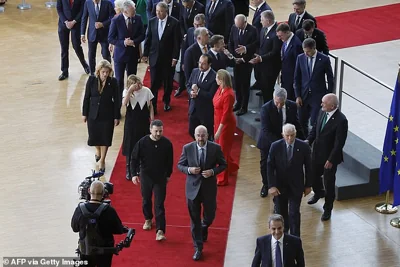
(335,75)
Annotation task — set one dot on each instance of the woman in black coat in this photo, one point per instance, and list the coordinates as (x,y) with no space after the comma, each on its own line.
(101,110)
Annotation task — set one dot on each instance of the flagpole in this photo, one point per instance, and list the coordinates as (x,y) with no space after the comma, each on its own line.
(386,207)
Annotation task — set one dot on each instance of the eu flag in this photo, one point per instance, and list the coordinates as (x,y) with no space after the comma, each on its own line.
(389,172)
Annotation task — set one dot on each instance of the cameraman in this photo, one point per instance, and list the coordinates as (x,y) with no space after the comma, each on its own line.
(108,224)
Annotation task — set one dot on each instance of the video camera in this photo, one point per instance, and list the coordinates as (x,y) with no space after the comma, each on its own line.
(83,188)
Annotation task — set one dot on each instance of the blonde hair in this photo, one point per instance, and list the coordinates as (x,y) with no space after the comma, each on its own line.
(104,64)
(132,79)
(225,77)
(118,6)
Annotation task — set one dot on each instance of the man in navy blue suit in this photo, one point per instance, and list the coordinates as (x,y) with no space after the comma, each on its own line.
(220,16)
(69,22)
(274,114)
(300,14)
(289,176)
(201,89)
(261,6)
(194,51)
(174,9)
(291,48)
(100,13)
(221,58)
(161,49)
(278,249)
(126,33)
(190,8)
(309,82)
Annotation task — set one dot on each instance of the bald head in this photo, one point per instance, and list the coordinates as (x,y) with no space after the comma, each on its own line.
(97,190)
(201,135)
(330,102)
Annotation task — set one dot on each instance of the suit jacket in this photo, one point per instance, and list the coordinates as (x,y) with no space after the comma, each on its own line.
(176,10)
(248,39)
(269,48)
(292,21)
(162,51)
(289,58)
(241,7)
(214,160)
(256,22)
(119,31)
(319,37)
(284,174)
(222,62)
(313,87)
(186,18)
(203,103)
(271,124)
(95,103)
(66,13)
(191,59)
(328,144)
(106,13)
(293,254)
(222,19)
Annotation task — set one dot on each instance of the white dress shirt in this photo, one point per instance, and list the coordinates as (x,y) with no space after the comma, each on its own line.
(204,75)
(283,114)
(161,29)
(288,41)
(301,17)
(273,247)
(99,3)
(330,114)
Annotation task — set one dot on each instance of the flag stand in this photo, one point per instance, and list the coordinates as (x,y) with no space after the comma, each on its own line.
(395,222)
(385,207)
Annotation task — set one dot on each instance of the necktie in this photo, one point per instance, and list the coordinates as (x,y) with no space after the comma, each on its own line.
(130,26)
(160,29)
(324,120)
(289,152)
(212,8)
(297,21)
(280,115)
(310,62)
(188,11)
(201,77)
(97,10)
(283,48)
(217,56)
(202,158)
(278,255)
(205,49)
(71,3)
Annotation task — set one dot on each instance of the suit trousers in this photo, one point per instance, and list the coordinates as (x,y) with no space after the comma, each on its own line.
(263,165)
(120,67)
(98,260)
(147,187)
(196,223)
(308,111)
(328,182)
(162,75)
(195,120)
(63,35)
(92,47)
(242,78)
(267,86)
(292,217)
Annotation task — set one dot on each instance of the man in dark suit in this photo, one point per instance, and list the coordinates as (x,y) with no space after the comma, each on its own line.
(126,33)
(289,176)
(328,137)
(309,31)
(100,14)
(174,9)
(220,17)
(190,8)
(161,48)
(241,7)
(242,45)
(219,54)
(193,53)
(291,49)
(274,114)
(202,161)
(261,6)
(69,22)
(201,89)
(309,82)
(268,58)
(270,247)
(300,14)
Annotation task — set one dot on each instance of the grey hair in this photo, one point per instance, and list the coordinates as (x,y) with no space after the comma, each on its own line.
(333,99)
(241,17)
(127,4)
(200,17)
(309,43)
(200,31)
(268,14)
(281,93)
(163,5)
(275,218)
(288,128)
(119,4)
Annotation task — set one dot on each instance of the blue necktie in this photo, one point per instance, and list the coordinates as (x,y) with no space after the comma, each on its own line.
(97,10)
(278,256)
(310,65)
(289,153)
(283,49)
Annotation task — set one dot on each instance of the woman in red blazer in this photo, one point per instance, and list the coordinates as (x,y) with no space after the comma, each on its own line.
(224,122)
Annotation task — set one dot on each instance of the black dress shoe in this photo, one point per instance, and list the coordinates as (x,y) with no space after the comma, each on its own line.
(63,76)
(167,107)
(257,119)
(86,68)
(204,231)
(264,191)
(236,108)
(197,255)
(178,92)
(241,112)
(326,216)
(314,199)
(259,93)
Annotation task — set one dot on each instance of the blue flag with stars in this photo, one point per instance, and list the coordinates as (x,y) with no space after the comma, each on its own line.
(389,173)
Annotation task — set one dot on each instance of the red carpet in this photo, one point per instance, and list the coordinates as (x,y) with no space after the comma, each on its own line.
(177,250)
(361,27)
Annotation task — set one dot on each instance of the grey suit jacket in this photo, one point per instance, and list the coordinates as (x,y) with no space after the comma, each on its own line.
(214,160)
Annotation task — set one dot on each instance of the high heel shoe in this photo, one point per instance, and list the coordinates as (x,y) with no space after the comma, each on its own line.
(103,170)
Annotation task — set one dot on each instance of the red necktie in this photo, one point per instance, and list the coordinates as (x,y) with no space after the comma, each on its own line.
(71,2)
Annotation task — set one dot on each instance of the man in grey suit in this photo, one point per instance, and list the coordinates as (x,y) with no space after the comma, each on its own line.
(201,160)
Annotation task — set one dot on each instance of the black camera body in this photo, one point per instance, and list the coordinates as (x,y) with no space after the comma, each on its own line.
(83,188)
